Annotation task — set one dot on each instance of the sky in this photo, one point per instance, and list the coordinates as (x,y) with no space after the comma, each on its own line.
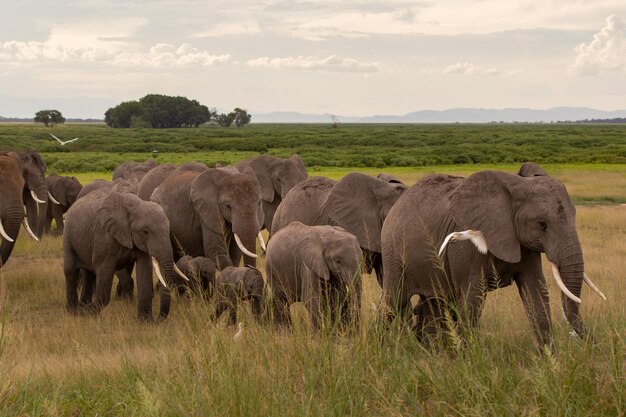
(345,57)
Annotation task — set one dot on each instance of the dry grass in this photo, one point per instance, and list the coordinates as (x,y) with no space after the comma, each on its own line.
(55,364)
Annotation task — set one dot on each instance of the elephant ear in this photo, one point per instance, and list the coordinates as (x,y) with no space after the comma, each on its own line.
(312,253)
(354,205)
(204,198)
(114,217)
(531,169)
(484,202)
(264,177)
(58,191)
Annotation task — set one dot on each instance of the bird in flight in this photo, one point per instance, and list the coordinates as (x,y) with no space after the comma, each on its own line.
(63,142)
(475,236)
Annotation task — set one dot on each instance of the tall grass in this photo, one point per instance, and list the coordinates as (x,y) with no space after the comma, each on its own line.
(55,364)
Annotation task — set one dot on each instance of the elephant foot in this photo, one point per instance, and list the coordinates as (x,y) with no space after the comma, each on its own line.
(124,293)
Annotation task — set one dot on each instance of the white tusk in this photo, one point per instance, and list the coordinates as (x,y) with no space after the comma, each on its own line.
(155,265)
(593,287)
(53,199)
(32,193)
(180,273)
(559,281)
(28,229)
(262,242)
(4,233)
(243,248)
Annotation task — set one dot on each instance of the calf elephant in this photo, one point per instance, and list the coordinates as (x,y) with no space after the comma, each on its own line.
(318,265)
(276,176)
(201,273)
(358,203)
(107,232)
(11,203)
(518,216)
(214,213)
(236,284)
(63,192)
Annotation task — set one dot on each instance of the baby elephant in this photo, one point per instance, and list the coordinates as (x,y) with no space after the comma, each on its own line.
(235,284)
(318,265)
(201,273)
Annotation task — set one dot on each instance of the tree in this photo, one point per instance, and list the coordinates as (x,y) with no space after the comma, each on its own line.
(242,117)
(158,111)
(49,117)
(225,119)
(239,116)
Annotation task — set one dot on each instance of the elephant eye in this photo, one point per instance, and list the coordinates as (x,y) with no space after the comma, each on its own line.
(145,231)
(544,225)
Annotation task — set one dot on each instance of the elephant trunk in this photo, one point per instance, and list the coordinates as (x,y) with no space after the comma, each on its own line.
(11,218)
(245,230)
(165,260)
(571,268)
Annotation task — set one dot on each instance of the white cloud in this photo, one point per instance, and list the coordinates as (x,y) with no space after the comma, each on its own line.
(606,52)
(231,29)
(160,55)
(466,68)
(331,63)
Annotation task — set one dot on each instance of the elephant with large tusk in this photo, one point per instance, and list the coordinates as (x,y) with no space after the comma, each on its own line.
(512,219)
(105,232)
(213,213)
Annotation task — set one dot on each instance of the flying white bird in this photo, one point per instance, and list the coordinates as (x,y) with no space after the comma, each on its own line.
(475,236)
(63,142)
(239,333)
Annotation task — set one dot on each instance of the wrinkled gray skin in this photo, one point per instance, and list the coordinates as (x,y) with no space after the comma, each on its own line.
(11,201)
(201,273)
(205,210)
(119,185)
(358,203)
(276,176)
(132,170)
(156,176)
(236,284)
(34,173)
(64,190)
(108,232)
(520,217)
(316,265)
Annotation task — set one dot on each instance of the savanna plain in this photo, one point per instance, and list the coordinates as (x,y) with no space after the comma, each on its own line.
(55,364)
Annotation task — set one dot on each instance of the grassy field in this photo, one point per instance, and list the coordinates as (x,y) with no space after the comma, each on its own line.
(53,364)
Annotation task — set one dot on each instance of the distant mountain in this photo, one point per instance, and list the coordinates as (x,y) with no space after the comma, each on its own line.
(457,115)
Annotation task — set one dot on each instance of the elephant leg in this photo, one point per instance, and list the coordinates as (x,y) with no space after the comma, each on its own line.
(56,213)
(280,310)
(72,278)
(396,304)
(533,291)
(47,226)
(430,315)
(377,265)
(125,285)
(312,298)
(145,288)
(88,285)
(104,283)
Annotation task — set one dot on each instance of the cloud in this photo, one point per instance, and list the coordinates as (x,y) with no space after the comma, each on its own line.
(466,68)
(606,52)
(332,63)
(158,56)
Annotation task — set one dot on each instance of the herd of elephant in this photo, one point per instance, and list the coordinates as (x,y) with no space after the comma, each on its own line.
(448,239)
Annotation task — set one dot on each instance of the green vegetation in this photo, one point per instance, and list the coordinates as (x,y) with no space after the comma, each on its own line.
(380,146)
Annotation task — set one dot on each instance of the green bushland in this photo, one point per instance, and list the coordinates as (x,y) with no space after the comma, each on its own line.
(352,145)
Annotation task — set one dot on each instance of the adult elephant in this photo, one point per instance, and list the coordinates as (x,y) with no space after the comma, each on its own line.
(358,203)
(63,192)
(160,173)
(318,265)
(11,203)
(276,176)
(133,170)
(214,213)
(120,185)
(518,216)
(35,193)
(106,232)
